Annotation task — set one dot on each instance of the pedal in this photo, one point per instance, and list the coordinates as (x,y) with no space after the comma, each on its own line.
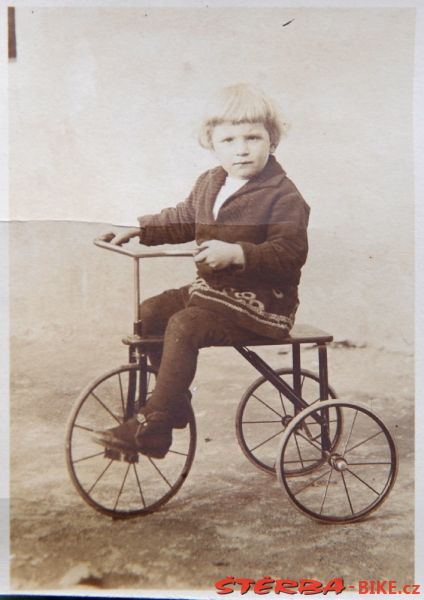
(112,453)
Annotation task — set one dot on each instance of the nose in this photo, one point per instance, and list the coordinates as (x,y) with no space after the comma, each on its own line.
(242,148)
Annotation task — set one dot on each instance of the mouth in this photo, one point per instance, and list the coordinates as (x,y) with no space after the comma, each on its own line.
(243,163)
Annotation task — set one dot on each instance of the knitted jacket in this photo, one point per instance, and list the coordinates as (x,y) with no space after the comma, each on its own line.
(268,218)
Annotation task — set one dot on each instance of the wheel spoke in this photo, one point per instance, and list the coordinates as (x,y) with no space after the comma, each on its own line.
(87,457)
(350,433)
(370,463)
(363,442)
(122,486)
(298,450)
(90,429)
(282,403)
(304,460)
(176,452)
(267,440)
(347,491)
(325,492)
(312,482)
(364,482)
(106,408)
(100,476)
(316,437)
(267,405)
(139,486)
(159,471)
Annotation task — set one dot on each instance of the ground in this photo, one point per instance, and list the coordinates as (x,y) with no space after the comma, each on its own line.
(229,518)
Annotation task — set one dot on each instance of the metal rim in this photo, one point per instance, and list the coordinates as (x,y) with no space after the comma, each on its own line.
(127,488)
(266,436)
(354,479)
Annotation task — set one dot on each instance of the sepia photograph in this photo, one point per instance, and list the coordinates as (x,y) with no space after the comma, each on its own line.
(209,323)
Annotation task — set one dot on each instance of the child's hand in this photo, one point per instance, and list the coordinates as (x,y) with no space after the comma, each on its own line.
(219,255)
(125,237)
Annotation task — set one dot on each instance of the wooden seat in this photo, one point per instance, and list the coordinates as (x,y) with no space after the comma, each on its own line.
(300,334)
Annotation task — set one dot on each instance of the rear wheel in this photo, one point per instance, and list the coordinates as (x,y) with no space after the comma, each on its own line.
(264,414)
(114,483)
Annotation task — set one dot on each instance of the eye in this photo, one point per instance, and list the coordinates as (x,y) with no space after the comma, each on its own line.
(227,140)
(253,137)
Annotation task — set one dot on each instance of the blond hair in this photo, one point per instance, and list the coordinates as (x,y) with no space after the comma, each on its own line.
(241,103)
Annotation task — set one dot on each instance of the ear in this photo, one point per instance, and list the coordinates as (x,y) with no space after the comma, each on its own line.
(272,148)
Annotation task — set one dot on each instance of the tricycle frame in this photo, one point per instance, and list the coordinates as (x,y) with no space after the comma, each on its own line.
(326,449)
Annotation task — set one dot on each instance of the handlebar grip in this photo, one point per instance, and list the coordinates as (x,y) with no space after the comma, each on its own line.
(106,237)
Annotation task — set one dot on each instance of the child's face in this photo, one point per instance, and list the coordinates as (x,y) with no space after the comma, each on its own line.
(242,149)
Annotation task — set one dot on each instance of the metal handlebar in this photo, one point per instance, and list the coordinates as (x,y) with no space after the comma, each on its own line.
(105,241)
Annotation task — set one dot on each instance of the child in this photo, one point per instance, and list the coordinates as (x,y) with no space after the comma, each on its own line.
(249,222)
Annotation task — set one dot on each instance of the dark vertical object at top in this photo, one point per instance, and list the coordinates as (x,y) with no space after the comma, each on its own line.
(12,31)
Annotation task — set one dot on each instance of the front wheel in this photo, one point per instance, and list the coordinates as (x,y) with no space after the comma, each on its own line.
(123,485)
(354,477)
